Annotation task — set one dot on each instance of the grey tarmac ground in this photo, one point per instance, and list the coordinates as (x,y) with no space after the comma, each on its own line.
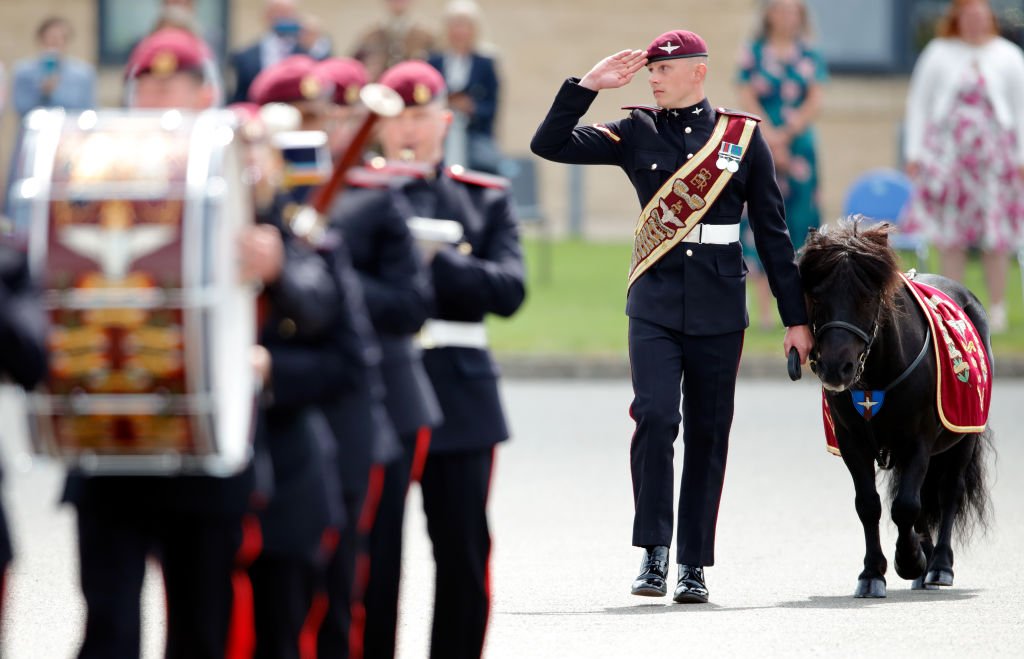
(789,546)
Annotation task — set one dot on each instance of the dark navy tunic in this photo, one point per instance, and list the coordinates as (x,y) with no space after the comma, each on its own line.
(695,291)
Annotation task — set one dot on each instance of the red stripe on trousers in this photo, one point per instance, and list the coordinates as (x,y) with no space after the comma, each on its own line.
(242,632)
(419,456)
(367,516)
(318,607)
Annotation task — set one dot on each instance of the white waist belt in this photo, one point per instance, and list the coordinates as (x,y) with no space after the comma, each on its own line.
(717,234)
(449,334)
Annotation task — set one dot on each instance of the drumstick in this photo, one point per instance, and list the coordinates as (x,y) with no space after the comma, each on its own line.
(381,101)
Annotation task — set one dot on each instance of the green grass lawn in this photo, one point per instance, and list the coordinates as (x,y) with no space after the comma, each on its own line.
(577,306)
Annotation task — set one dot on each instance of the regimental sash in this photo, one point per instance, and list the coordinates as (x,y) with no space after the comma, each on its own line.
(682,201)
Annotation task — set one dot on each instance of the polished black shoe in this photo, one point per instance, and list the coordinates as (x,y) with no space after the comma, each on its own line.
(690,589)
(653,573)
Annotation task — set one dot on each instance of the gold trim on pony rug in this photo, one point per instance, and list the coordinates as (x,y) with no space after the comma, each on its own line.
(682,201)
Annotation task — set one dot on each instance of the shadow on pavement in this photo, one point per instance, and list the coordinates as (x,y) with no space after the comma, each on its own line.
(894,596)
(815,602)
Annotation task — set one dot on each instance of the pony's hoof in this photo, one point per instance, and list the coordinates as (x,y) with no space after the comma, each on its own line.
(919,584)
(873,588)
(939,577)
(912,570)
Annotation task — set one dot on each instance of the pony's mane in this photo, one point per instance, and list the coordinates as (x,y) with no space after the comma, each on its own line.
(851,258)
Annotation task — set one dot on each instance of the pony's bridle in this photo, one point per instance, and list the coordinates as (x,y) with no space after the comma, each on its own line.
(867,337)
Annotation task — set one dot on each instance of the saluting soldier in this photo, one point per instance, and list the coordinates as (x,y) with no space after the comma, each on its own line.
(482,275)
(693,167)
(194,524)
(399,297)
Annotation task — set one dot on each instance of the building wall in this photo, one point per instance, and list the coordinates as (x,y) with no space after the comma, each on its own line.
(540,43)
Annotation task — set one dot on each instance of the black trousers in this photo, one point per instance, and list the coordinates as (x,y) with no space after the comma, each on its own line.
(380,599)
(197,555)
(455,488)
(343,576)
(284,590)
(666,364)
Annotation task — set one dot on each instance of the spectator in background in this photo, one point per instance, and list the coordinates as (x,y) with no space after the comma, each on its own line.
(781,78)
(284,37)
(53,78)
(964,146)
(312,39)
(473,86)
(395,39)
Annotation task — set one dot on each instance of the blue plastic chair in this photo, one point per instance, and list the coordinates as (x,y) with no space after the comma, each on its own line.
(883,195)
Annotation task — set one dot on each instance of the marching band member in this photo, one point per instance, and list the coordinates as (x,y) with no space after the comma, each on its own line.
(483,275)
(686,303)
(356,416)
(23,356)
(399,298)
(192,523)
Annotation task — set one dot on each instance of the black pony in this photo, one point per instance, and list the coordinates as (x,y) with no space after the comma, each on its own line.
(870,334)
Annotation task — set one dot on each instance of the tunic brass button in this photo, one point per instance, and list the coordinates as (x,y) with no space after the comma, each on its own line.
(654,165)
(286,328)
(689,155)
(689,252)
(687,130)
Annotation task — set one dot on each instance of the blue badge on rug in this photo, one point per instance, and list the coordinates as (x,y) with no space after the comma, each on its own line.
(867,403)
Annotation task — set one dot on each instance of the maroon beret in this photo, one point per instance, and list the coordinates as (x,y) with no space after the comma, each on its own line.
(416,82)
(291,80)
(676,44)
(167,51)
(347,75)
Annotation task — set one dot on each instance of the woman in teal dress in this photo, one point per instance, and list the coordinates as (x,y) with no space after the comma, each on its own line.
(780,78)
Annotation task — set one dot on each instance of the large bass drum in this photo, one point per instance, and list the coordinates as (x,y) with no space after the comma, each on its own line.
(132,222)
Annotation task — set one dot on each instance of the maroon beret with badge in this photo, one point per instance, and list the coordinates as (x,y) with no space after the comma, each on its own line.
(677,44)
(166,52)
(291,80)
(347,75)
(416,82)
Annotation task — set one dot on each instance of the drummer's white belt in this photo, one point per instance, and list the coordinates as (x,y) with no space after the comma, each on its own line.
(715,234)
(450,334)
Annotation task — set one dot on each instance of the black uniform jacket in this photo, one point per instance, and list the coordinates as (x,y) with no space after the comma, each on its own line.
(488,280)
(695,288)
(22,341)
(399,297)
(356,415)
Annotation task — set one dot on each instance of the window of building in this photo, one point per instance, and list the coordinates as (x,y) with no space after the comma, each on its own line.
(122,23)
(885,36)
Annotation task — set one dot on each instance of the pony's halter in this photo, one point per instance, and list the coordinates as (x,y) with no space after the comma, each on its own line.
(867,337)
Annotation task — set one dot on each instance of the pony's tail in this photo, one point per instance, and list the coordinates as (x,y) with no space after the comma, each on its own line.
(973,509)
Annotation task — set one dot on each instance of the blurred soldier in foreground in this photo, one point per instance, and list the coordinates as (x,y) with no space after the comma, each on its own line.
(194,523)
(482,274)
(356,417)
(399,298)
(22,355)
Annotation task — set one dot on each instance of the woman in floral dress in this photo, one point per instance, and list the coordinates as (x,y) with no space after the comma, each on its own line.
(965,147)
(781,78)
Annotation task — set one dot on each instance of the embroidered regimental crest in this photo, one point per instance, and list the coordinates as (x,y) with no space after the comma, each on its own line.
(868,403)
(729,157)
(668,47)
